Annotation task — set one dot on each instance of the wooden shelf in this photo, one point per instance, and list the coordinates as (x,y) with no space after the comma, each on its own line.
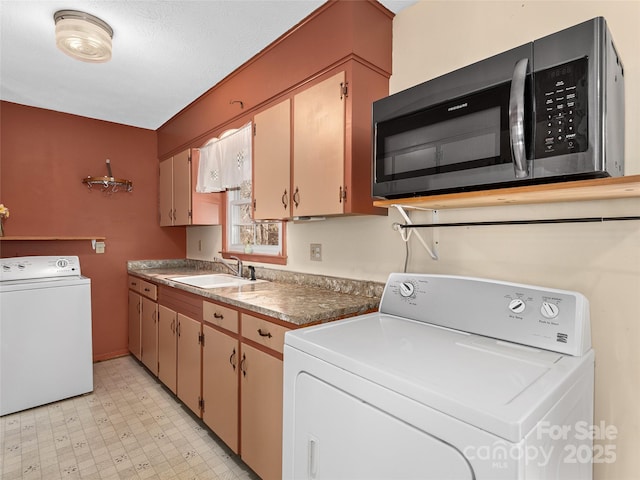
(583,190)
(48,238)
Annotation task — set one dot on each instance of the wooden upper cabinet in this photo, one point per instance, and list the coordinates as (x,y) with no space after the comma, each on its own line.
(323,129)
(166,193)
(272,162)
(318,148)
(312,151)
(332,148)
(182,188)
(180,204)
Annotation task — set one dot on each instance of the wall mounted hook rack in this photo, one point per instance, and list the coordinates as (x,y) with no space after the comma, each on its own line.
(108,184)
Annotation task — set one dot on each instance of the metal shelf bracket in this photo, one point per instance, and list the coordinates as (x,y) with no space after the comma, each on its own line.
(405,233)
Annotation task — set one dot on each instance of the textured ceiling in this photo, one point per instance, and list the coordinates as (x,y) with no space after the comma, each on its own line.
(165,53)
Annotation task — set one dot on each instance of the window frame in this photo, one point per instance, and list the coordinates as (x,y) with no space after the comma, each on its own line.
(279,258)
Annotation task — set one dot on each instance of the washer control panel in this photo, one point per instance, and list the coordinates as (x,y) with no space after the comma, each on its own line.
(24,268)
(540,317)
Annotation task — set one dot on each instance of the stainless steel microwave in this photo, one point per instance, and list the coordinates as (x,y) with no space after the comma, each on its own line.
(548,111)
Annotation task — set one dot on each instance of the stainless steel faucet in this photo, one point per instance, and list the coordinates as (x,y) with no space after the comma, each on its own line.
(237,271)
(238,266)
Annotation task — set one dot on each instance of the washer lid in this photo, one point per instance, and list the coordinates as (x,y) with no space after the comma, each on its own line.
(501,387)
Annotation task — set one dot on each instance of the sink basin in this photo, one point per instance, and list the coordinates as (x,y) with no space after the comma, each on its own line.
(214,280)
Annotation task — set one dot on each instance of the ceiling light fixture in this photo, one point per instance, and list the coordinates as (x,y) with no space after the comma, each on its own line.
(83,36)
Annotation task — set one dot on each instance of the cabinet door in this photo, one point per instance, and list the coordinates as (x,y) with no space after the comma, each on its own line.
(182,188)
(149,320)
(167,346)
(319,148)
(166,192)
(135,307)
(220,357)
(261,412)
(189,366)
(272,162)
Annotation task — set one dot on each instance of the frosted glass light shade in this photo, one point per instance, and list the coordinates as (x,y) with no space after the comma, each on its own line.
(83,36)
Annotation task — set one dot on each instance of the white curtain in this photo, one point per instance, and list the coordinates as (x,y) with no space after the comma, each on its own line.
(225,162)
(210,168)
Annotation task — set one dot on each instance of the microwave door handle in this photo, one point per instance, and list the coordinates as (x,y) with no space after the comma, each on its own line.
(516,118)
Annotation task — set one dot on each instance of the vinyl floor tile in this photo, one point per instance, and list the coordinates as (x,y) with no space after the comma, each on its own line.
(129,427)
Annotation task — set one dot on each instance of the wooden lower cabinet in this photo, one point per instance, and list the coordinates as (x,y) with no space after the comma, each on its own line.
(220,359)
(135,308)
(149,336)
(167,347)
(261,412)
(189,362)
(224,365)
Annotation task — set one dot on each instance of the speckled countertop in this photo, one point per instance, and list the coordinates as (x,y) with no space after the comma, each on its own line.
(294,298)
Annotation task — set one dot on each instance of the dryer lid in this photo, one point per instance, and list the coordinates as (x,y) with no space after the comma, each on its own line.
(501,387)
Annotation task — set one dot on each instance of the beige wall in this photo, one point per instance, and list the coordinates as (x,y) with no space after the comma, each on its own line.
(600,260)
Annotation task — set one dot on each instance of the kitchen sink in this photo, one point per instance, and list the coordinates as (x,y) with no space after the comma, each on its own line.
(214,280)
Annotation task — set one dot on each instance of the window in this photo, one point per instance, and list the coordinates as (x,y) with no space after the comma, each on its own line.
(244,235)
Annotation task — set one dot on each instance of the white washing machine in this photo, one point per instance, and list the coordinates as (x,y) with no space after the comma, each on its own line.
(453,378)
(45,331)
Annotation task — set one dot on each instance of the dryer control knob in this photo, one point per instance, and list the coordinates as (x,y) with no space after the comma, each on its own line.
(517,305)
(549,310)
(406,289)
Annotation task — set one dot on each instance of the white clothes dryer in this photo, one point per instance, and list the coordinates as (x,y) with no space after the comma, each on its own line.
(453,378)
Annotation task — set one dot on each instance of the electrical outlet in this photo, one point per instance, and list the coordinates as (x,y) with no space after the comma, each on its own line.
(316,252)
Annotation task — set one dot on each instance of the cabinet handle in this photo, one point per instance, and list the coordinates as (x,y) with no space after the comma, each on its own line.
(232,359)
(263,334)
(134,284)
(342,194)
(242,365)
(170,214)
(285,199)
(218,315)
(173,326)
(139,307)
(178,328)
(296,197)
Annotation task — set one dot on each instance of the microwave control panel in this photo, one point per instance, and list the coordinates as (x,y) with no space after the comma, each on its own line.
(561,109)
